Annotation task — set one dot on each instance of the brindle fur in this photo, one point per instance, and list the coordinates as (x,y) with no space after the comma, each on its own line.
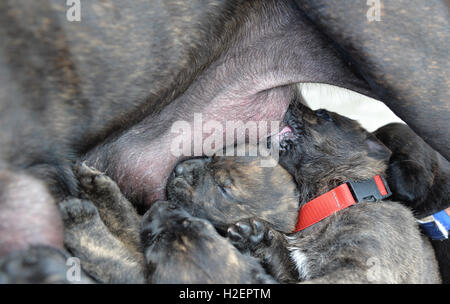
(368,243)
(102,254)
(53,108)
(226,190)
(104,232)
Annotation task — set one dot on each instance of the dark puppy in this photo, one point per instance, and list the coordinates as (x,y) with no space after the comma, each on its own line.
(104,232)
(371,242)
(333,149)
(419,177)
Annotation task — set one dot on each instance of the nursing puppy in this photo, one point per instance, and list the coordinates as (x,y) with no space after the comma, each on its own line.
(104,231)
(369,243)
(419,177)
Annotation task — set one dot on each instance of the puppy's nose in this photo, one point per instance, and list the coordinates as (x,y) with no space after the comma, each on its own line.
(180,170)
(188,169)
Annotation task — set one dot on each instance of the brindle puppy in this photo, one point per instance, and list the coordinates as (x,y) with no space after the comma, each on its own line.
(104,232)
(371,242)
(229,189)
(419,177)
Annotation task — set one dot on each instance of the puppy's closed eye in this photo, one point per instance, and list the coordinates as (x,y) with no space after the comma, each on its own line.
(324,114)
(224,184)
(225,191)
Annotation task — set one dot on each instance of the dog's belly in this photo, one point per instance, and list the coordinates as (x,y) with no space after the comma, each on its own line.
(249,81)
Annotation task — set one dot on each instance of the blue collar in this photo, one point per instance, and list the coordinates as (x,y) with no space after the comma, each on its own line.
(436,226)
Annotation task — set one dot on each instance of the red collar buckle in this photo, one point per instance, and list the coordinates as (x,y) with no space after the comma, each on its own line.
(371,190)
(341,197)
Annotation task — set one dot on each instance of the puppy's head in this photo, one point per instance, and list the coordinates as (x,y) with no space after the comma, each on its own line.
(169,235)
(180,248)
(226,189)
(166,219)
(322,149)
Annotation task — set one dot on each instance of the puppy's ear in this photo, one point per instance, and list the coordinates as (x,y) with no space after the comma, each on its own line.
(376,148)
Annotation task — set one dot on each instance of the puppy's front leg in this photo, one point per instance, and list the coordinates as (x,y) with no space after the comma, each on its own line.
(260,240)
(115,210)
(103,256)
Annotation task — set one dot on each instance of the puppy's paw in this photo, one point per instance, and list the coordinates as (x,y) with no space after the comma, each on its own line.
(77,211)
(249,234)
(94,182)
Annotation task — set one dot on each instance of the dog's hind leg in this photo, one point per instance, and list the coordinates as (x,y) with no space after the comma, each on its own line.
(102,255)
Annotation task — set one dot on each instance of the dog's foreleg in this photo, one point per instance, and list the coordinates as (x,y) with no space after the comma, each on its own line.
(115,210)
(101,255)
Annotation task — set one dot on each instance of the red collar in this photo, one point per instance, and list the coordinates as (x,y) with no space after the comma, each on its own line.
(341,197)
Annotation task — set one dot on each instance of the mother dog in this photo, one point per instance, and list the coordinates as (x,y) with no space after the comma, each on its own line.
(116,81)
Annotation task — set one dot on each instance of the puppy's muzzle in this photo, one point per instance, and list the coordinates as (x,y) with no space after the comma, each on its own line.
(189,170)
